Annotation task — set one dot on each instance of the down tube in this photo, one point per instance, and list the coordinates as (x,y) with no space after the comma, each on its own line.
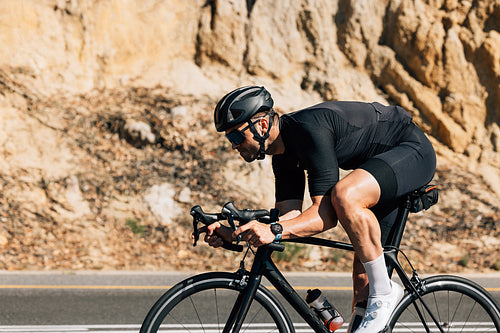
(272,273)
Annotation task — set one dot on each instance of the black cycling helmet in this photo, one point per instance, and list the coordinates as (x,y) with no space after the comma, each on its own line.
(240,105)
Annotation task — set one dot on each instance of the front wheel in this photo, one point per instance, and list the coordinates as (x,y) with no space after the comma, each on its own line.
(456,304)
(203,303)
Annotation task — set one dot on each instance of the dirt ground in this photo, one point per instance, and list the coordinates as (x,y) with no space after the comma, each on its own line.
(72,189)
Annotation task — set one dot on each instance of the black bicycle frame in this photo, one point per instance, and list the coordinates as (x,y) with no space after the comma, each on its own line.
(264,266)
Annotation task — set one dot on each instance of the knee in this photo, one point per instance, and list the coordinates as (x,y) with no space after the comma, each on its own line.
(349,207)
(343,199)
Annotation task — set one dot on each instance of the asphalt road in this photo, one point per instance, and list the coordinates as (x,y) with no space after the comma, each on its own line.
(118,302)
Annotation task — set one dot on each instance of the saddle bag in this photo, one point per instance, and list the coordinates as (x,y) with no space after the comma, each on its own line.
(423,198)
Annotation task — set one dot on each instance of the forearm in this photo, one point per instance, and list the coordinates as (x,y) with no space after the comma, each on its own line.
(317,218)
(290,215)
(308,223)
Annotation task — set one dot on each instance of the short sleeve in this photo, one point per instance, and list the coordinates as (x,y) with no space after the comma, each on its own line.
(289,178)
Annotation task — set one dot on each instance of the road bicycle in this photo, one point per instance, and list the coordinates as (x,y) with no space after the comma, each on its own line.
(238,302)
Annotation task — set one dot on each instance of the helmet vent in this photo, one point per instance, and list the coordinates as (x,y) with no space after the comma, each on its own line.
(241,105)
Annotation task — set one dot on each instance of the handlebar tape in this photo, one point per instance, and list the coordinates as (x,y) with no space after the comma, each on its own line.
(233,247)
(276,247)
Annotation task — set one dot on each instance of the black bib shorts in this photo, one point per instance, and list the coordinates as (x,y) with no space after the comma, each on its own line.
(399,171)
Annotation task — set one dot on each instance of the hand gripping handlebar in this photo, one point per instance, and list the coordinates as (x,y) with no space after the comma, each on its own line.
(231,213)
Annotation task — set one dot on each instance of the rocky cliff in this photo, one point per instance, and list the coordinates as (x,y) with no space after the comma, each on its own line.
(106,107)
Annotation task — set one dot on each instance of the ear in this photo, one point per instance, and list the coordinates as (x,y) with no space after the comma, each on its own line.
(264,124)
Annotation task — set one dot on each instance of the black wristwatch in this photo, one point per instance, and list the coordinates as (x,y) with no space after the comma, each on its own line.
(277,230)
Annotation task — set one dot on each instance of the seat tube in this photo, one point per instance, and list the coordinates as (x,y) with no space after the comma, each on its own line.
(399,226)
(396,236)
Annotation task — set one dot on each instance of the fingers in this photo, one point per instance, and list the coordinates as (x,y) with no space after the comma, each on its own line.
(213,240)
(255,233)
(245,231)
(211,229)
(211,236)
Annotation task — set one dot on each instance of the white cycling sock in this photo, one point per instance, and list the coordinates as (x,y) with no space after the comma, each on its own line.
(379,281)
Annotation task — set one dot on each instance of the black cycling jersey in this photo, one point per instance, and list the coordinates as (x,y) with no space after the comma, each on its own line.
(379,139)
(320,139)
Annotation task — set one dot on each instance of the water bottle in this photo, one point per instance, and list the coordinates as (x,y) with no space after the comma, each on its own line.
(326,311)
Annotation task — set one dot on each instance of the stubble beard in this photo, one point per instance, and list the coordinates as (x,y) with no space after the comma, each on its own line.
(248,156)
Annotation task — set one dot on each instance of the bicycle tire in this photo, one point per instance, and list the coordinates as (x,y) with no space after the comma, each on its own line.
(202,304)
(458,304)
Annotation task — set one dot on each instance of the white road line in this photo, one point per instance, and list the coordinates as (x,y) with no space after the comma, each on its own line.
(69,328)
(256,328)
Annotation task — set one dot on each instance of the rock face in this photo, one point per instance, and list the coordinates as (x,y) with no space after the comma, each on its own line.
(91,92)
(439,59)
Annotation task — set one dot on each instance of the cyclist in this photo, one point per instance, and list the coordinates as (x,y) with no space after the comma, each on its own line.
(389,157)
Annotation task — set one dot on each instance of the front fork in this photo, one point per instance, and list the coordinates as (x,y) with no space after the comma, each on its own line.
(250,283)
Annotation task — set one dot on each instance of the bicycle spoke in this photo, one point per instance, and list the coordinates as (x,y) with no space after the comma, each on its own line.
(251,320)
(217,309)
(179,323)
(458,304)
(197,314)
(437,307)
(203,305)
(468,316)
(447,306)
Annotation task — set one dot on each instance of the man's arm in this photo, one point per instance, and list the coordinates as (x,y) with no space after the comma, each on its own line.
(317,218)
(320,216)
(289,209)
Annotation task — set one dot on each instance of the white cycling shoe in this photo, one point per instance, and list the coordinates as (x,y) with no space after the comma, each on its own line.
(379,310)
(356,318)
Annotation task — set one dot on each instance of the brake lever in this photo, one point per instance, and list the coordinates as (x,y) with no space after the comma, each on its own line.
(196,231)
(226,212)
(230,220)
(197,214)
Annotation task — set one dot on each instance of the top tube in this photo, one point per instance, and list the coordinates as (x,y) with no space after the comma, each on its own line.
(321,242)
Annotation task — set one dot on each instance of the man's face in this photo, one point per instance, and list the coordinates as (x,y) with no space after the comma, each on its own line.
(248,148)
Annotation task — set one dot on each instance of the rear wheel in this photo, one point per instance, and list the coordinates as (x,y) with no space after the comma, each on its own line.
(456,304)
(203,303)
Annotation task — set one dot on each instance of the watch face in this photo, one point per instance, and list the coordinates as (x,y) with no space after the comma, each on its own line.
(276,228)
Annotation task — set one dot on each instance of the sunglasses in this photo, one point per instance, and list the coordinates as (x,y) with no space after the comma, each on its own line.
(236,137)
